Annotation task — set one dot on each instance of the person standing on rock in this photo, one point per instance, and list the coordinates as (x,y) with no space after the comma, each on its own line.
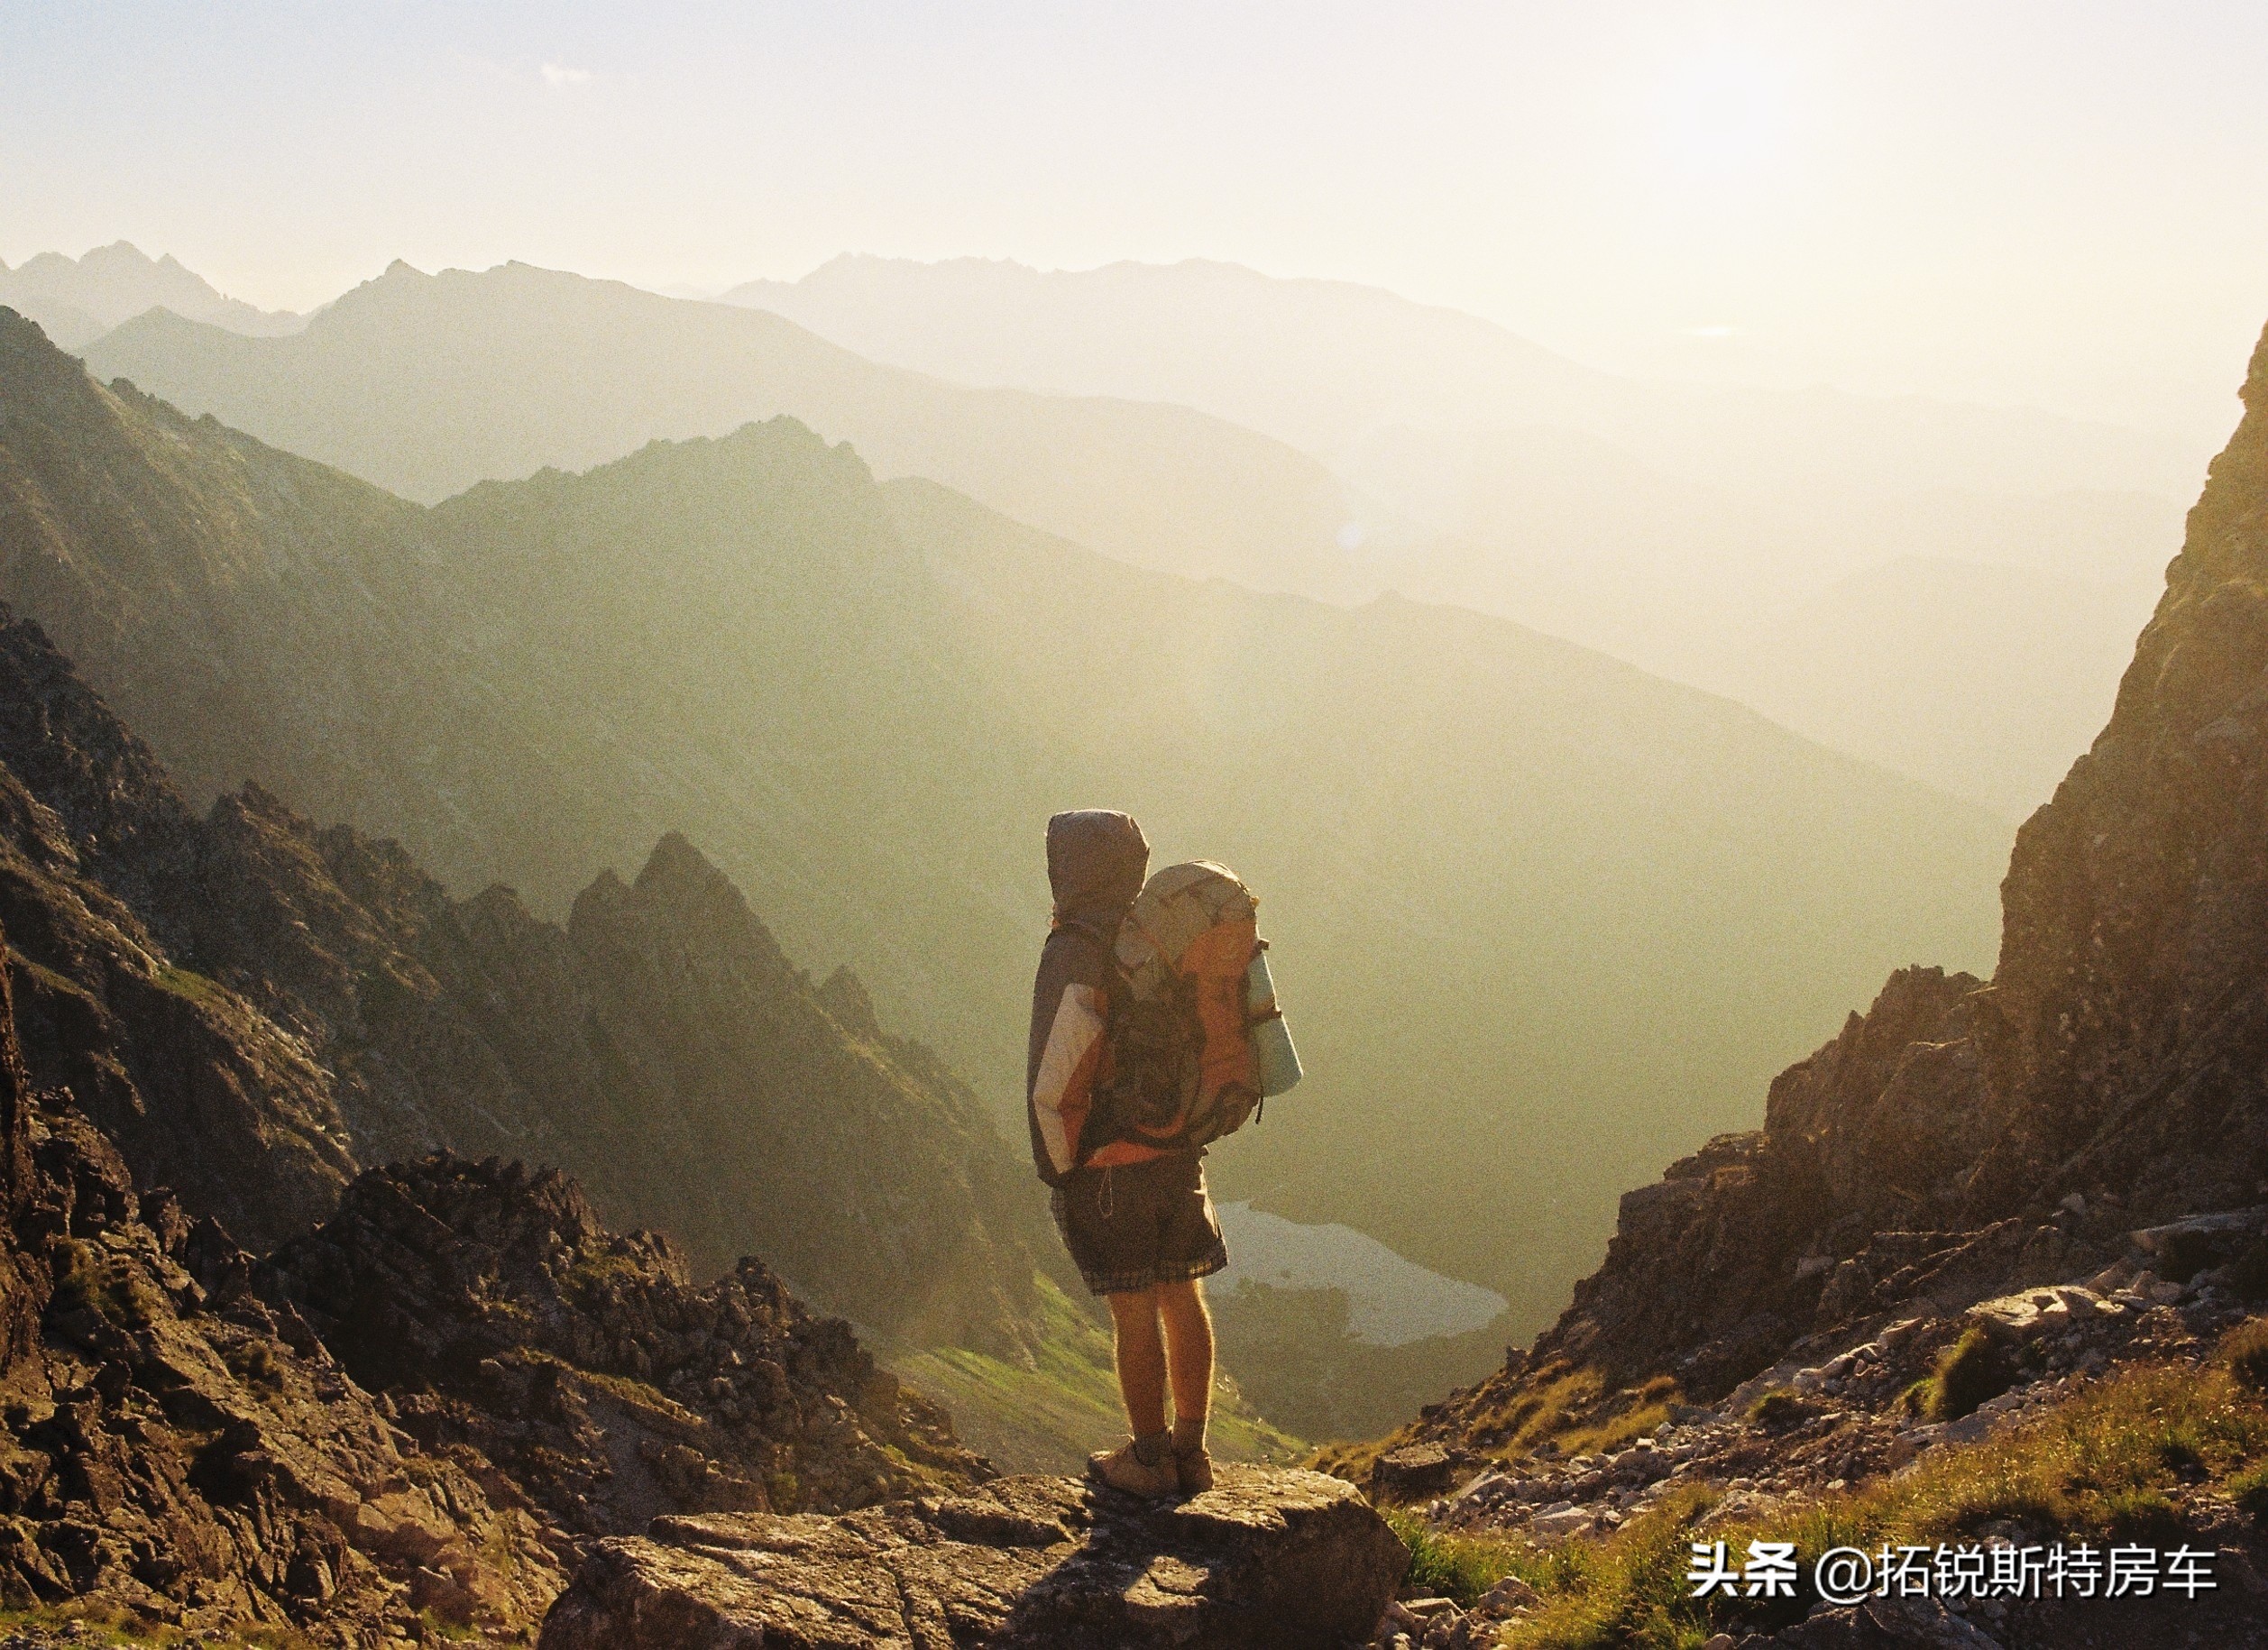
(1136,1218)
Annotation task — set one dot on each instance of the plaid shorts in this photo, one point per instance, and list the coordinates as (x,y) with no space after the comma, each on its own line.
(1140,1224)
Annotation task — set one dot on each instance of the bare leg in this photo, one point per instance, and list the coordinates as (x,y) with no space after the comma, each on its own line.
(1141,1354)
(1189,1338)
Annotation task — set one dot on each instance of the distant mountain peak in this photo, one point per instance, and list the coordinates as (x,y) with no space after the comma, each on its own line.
(676,863)
(79,299)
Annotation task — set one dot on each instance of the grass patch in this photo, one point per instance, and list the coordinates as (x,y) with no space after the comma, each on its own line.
(1446,1566)
(641,1396)
(1562,1410)
(91,1623)
(191,986)
(594,1277)
(88,1280)
(1572,1410)
(1971,1371)
(255,1361)
(2245,1349)
(1048,1418)
(1778,1408)
(2109,1463)
(2249,1491)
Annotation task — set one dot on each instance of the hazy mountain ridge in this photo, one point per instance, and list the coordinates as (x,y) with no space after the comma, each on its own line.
(79,299)
(427,384)
(1681,528)
(1325,364)
(1313,436)
(257,1008)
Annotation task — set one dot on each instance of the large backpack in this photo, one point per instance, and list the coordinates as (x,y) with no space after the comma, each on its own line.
(1196,1038)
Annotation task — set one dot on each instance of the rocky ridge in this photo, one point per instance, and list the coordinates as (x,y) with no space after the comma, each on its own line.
(499,1317)
(405,1424)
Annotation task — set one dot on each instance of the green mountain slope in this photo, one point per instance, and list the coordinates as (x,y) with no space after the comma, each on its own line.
(258,1008)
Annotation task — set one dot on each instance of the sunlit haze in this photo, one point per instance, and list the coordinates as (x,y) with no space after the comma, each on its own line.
(2038,203)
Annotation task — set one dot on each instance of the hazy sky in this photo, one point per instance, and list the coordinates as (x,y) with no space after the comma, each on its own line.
(2062,202)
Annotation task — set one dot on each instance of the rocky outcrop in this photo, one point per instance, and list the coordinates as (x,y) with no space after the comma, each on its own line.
(1267,1559)
(174,1447)
(1976,1201)
(497,1316)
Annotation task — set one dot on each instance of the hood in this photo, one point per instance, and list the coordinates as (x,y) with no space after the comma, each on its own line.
(1096,861)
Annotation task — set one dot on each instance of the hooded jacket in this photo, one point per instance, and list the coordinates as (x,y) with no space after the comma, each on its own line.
(1096,861)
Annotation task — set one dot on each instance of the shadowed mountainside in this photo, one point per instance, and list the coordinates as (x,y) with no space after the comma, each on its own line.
(255,1008)
(483,1381)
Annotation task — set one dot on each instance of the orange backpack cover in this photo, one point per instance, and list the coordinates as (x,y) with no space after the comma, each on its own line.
(1184,1068)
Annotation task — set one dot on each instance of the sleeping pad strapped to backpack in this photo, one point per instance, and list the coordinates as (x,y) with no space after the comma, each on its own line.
(1196,1038)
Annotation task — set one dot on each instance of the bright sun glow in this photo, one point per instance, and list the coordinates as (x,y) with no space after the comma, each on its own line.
(1725,116)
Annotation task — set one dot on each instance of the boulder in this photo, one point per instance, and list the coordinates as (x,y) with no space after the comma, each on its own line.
(1268,1557)
(2031,1313)
(1415,1472)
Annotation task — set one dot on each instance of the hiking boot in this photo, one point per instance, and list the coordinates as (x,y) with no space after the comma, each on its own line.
(1194,1469)
(1122,1468)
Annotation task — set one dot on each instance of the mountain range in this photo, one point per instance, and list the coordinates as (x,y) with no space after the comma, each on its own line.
(427,384)
(1984,1275)
(1311,436)
(1489,857)
(255,1010)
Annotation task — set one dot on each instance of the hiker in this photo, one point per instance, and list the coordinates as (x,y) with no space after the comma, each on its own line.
(1136,1216)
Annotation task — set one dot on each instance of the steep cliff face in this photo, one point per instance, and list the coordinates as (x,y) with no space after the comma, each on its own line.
(100,860)
(1963,1138)
(254,1008)
(2126,1019)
